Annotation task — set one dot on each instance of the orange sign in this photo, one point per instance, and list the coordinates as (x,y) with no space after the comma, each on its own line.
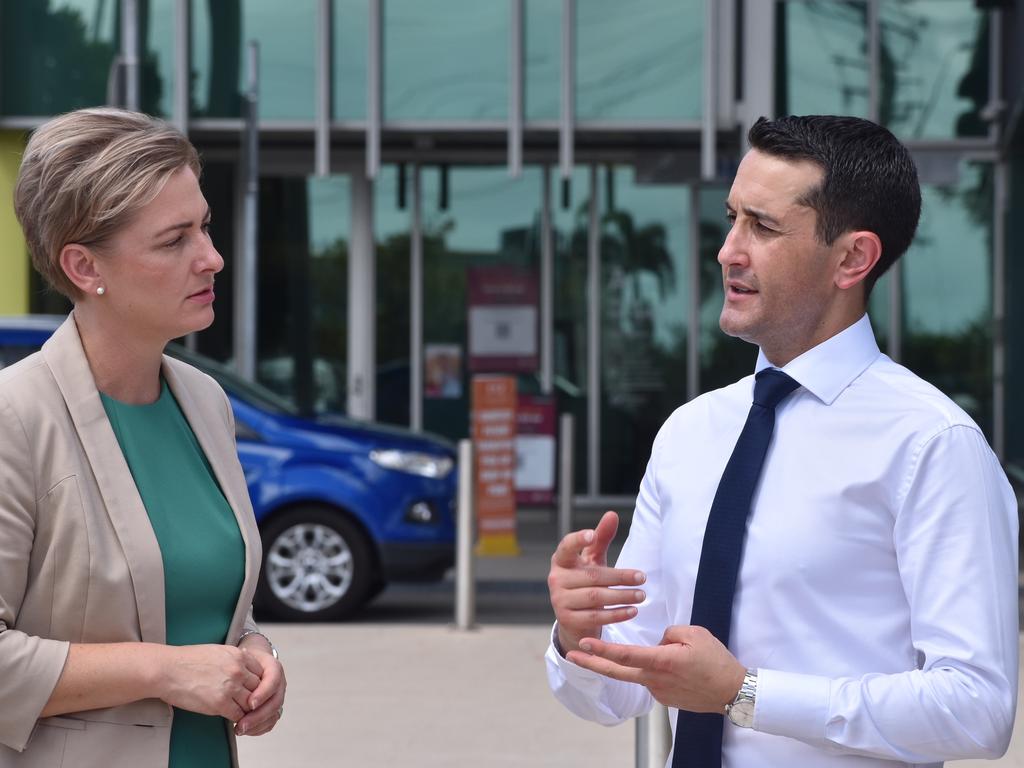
(494,441)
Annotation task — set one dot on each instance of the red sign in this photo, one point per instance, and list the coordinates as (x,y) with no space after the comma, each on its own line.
(535,450)
(502,322)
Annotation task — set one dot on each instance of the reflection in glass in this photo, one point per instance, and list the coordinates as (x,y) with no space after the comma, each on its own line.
(947,292)
(542,59)
(825,49)
(934,68)
(570,311)
(351,22)
(221,30)
(56,55)
(723,359)
(644,279)
(303,278)
(491,220)
(639,60)
(446,59)
(156,84)
(392,224)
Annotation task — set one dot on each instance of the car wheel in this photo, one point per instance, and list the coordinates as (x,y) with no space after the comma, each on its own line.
(317,566)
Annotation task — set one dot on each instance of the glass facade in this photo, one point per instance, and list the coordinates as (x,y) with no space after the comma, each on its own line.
(639,80)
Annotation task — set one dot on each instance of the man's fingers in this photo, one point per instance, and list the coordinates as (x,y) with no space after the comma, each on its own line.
(582,620)
(569,548)
(597,550)
(634,656)
(605,667)
(599,597)
(599,576)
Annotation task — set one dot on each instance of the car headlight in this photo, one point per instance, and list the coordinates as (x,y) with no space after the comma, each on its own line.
(422,464)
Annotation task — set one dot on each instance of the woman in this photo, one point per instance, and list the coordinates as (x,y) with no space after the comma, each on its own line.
(128,549)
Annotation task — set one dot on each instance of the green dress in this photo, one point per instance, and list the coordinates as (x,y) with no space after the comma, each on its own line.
(202,548)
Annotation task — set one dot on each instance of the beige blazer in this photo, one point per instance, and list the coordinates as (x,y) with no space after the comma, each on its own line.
(79,562)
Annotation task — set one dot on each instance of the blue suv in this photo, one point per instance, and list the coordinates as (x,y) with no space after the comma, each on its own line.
(343,507)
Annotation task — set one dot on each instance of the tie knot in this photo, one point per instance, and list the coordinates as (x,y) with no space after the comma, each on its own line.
(772,386)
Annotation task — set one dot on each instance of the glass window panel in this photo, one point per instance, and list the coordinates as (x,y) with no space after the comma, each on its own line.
(392,231)
(947,292)
(303,279)
(542,46)
(351,33)
(934,68)
(491,220)
(156,81)
(825,49)
(723,359)
(645,284)
(879,310)
(445,60)
(639,60)
(220,34)
(1013,324)
(570,225)
(55,56)
(218,184)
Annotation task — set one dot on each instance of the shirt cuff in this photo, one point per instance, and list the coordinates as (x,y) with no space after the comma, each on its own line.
(791,704)
(576,676)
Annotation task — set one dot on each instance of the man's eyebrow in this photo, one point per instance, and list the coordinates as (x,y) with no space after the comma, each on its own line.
(180,225)
(756,213)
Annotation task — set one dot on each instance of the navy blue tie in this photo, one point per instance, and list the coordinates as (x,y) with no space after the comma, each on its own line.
(698,742)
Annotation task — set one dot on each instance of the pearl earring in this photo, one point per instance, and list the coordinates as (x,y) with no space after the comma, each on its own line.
(100,291)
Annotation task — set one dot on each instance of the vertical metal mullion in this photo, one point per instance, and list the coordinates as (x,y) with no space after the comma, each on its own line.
(547,288)
(245,279)
(130,52)
(593,340)
(758,64)
(709,116)
(182,65)
(362,294)
(693,308)
(874,59)
(999,310)
(416,304)
(322,137)
(515,89)
(568,113)
(373,89)
(995,72)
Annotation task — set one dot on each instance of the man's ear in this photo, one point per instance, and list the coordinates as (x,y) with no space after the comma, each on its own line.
(79,264)
(861,252)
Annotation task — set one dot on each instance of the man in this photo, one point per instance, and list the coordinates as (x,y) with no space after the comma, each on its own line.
(847,594)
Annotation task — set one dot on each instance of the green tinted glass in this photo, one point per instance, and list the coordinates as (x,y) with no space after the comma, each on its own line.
(56,56)
(645,231)
(351,22)
(934,68)
(220,35)
(637,59)
(445,60)
(825,49)
(947,291)
(156,83)
(392,219)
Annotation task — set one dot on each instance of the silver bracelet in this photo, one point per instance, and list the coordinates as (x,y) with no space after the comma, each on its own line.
(273,648)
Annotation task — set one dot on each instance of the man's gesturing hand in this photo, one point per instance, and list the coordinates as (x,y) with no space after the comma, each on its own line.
(689,670)
(581,584)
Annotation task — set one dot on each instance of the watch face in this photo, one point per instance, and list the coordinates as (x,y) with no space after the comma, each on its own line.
(742,713)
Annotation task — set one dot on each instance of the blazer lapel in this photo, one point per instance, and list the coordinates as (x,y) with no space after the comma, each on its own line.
(208,420)
(66,358)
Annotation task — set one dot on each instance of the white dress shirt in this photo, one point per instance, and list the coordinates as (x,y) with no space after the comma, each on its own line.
(877,595)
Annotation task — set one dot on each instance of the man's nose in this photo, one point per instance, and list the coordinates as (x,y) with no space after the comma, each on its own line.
(733,250)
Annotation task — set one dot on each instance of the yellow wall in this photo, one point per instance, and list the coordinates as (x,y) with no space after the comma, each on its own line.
(14,264)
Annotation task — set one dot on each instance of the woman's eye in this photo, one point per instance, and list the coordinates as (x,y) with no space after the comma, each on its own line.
(175,242)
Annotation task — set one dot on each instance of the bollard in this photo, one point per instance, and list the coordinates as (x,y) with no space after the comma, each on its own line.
(465,523)
(566,471)
(653,738)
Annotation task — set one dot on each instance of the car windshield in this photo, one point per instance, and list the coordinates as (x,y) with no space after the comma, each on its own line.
(233,384)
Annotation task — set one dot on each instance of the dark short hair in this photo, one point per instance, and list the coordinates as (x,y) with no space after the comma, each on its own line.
(870,182)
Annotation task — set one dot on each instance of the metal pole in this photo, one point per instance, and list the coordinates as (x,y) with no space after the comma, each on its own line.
(566,473)
(416,304)
(322,136)
(245,316)
(515,89)
(547,288)
(709,120)
(566,125)
(374,113)
(465,588)
(653,738)
(593,340)
(182,64)
(130,52)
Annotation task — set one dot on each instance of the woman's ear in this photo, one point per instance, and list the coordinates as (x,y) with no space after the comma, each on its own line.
(861,252)
(79,264)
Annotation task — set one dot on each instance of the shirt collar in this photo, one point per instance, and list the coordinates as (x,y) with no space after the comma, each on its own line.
(829,368)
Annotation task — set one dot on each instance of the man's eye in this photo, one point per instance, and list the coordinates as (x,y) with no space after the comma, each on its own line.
(762,228)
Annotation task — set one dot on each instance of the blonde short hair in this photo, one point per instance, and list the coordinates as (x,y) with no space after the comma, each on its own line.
(85,174)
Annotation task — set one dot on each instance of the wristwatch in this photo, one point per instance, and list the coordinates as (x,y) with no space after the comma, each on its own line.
(741,711)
